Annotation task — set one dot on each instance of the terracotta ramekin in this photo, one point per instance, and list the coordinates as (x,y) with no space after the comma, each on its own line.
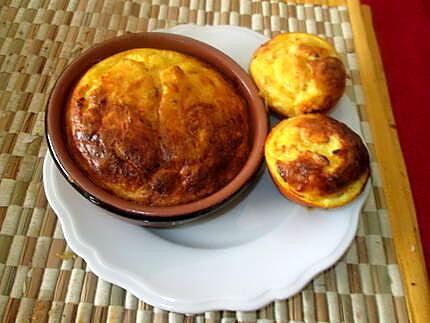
(130,211)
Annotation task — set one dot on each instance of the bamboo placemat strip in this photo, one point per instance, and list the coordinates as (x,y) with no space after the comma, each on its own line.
(41,279)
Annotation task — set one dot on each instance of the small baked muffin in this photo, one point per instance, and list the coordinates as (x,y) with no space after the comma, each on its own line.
(298,73)
(316,160)
(157,127)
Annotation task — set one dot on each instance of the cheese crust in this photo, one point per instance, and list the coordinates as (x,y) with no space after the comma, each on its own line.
(298,73)
(317,161)
(157,127)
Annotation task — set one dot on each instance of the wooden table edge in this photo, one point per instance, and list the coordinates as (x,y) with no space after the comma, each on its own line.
(396,187)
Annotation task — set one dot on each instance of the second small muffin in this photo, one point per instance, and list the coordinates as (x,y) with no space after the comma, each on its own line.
(316,160)
(298,73)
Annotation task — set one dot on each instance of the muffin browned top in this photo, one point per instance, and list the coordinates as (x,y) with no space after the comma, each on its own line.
(317,160)
(298,73)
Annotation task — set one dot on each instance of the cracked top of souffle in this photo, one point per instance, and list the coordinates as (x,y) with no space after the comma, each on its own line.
(157,127)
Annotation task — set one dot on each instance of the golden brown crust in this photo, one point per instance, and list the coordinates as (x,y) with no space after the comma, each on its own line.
(317,160)
(330,77)
(298,73)
(159,131)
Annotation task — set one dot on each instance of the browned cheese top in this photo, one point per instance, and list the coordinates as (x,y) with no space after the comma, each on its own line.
(298,73)
(157,127)
(317,157)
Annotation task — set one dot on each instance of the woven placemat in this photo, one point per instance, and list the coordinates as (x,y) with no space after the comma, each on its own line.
(41,279)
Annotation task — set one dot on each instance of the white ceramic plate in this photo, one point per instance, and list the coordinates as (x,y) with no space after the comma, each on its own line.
(261,249)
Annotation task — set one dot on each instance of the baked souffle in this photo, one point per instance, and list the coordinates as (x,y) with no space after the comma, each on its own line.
(157,127)
(317,161)
(298,73)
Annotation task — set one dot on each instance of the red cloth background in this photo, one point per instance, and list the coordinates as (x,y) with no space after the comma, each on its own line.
(403,32)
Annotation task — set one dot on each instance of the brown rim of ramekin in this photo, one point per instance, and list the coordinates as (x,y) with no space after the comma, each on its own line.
(55,135)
